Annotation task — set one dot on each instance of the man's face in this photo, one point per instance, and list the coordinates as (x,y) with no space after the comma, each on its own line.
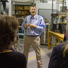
(33,11)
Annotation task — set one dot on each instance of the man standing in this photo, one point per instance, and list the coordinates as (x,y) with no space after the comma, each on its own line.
(33,26)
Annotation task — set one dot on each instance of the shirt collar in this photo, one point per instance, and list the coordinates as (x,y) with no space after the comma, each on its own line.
(33,17)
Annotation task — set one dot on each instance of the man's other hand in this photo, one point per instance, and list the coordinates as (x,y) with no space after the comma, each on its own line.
(26,25)
(31,25)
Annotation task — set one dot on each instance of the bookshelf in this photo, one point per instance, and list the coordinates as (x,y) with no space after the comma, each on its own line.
(20,12)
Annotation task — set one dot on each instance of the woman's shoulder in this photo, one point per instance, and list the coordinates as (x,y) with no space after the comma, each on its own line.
(17,55)
(59,48)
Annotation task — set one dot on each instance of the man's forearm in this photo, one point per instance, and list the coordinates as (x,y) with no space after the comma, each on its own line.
(25,26)
(31,25)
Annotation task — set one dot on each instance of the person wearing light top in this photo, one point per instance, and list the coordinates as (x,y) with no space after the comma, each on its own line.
(33,26)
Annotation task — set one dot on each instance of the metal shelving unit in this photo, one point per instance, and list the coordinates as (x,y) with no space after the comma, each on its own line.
(20,36)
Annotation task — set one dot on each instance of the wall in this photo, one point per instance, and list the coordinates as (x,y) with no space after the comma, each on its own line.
(44,6)
(0,7)
(45,10)
(23,0)
(67,3)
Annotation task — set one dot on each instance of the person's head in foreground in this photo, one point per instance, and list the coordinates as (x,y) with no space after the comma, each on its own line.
(8,28)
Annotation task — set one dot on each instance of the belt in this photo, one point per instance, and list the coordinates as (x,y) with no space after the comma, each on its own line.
(32,35)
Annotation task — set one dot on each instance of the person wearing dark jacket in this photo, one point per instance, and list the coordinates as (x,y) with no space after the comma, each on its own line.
(59,56)
(9,58)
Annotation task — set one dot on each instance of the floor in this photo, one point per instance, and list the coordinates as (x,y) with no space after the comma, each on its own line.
(32,57)
(45,57)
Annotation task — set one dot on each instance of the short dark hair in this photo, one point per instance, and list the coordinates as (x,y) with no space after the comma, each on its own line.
(32,6)
(8,27)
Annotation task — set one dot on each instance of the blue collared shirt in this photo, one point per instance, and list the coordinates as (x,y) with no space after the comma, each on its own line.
(35,20)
